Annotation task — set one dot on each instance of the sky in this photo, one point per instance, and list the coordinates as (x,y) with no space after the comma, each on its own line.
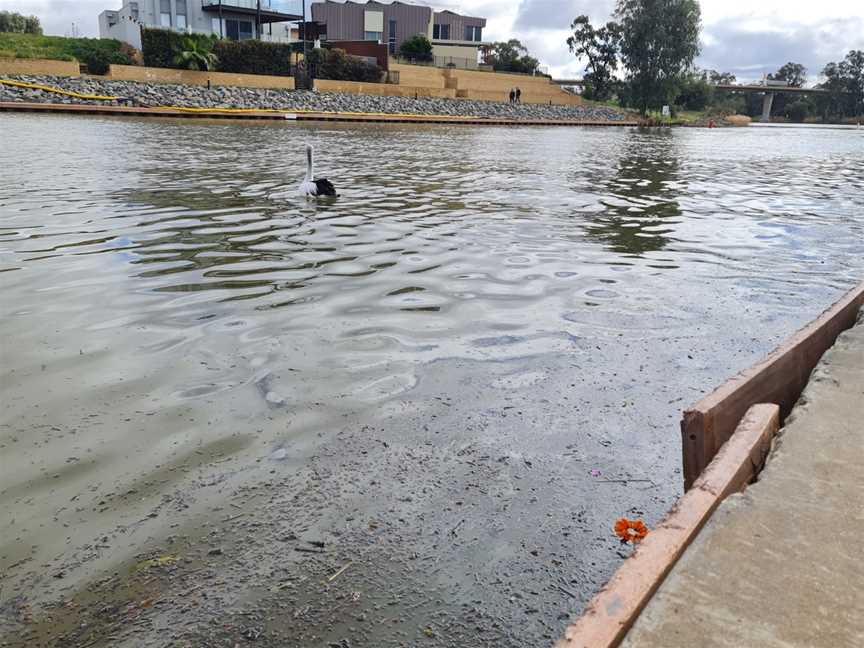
(746,37)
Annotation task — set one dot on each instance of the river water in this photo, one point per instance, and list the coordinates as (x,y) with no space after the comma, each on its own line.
(445,376)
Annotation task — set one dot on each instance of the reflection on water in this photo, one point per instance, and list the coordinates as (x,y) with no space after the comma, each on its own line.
(640,200)
(166,298)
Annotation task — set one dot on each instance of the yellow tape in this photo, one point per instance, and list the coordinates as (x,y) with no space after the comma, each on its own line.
(34,86)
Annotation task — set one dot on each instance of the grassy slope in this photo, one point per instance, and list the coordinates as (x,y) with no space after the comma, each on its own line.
(55,48)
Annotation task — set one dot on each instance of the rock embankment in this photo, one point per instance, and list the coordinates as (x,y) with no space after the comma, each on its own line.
(158,94)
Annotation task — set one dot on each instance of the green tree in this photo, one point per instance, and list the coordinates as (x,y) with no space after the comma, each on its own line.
(852,72)
(14,22)
(694,91)
(659,40)
(794,74)
(718,78)
(195,54)
(509,56)
(600,47)
(416,48)
(32,26)
(798,110)
(845,84)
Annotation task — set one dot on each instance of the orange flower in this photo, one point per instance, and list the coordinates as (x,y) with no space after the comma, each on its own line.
(628,531)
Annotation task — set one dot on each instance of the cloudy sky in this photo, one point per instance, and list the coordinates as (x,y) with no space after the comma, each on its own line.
(746,37)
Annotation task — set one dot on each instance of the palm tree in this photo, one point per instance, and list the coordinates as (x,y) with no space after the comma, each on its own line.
(195,55)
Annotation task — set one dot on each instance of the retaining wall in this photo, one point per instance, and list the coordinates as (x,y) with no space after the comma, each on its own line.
(42,67)
(381,89)
(418,76)
(192,77)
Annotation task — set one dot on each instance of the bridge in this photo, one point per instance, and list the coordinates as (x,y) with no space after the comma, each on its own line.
(769,89)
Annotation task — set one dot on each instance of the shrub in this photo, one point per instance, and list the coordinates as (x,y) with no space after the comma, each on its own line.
(97,54)
(416,48)
(164,48)
(797,111)
(196,55)
(694,93)
(159,47)
(253,57)
(335,64)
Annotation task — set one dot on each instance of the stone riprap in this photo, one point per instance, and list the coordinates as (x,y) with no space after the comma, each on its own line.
(153,94)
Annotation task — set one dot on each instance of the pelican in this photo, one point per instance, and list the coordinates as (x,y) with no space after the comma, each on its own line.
(312,188)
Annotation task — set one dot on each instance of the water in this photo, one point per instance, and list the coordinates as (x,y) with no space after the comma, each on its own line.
(428,374)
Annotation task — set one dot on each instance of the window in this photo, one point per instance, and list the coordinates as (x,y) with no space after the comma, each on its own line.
(165,13)
(473,33)
(181,13)
(441,32)
(238,29)
(392,36)
(373,36)
(133,9)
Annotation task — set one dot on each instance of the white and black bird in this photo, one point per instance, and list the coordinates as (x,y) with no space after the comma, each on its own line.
(312,188)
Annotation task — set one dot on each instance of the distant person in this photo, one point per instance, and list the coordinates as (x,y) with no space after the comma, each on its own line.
(512,95)
(518,96)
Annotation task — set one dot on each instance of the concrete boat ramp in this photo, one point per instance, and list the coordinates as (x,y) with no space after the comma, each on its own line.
(780,564)
(771,564)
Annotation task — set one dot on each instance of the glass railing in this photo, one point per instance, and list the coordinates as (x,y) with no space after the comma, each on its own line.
(282,6)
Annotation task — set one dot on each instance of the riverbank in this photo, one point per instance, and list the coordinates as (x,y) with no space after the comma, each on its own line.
(148,95)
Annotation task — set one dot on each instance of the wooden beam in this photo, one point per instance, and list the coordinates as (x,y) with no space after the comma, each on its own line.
(616,607)
(780,378)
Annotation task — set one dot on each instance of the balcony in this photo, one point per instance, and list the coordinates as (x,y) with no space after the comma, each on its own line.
(267,11)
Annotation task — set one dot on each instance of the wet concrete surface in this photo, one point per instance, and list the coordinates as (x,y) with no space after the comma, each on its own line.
(780,557)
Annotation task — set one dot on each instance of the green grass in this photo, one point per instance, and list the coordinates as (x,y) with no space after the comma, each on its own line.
(97,53)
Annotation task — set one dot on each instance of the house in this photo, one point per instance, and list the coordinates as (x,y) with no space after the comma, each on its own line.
(232,19)
(456,39)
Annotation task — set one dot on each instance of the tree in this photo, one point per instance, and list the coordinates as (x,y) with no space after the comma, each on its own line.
(659,40)
(416,48)
(845,84)
(600,47)
(195,54)
(852,71)
(718,78)
(794,74)
(14,22)
(32,26)
(694,91)
(510,56)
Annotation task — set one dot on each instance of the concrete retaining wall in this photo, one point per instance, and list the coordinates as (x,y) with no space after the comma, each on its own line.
(191,77)
(39,67)
(485,86)
(381,89)
(471,80)
(418,76)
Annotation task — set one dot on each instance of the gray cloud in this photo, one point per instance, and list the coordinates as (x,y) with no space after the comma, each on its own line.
(58,16)
(558,14)
(751,53)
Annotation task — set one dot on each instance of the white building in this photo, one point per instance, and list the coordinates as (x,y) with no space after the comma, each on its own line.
(268,20)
